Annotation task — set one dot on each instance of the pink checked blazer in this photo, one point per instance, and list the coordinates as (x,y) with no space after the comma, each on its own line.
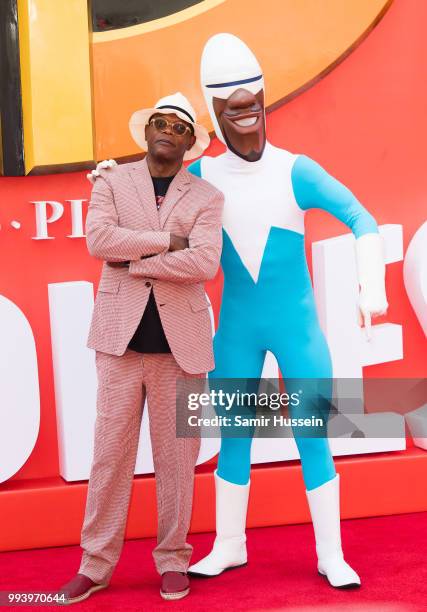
(123,223)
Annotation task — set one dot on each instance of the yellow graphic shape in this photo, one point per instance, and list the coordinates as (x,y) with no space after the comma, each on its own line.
(56,82)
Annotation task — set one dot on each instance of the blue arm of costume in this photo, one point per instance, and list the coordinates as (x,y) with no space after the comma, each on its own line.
(315,188)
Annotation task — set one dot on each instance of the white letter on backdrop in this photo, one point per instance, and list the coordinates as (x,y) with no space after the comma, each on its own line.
(19,389)
(42,219)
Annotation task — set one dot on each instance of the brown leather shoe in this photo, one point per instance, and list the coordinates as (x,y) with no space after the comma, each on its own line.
(175,585)
(79,588)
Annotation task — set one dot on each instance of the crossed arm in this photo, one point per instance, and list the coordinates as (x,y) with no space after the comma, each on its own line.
(107,240)
(197,263)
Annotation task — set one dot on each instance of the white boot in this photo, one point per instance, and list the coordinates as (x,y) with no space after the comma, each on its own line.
(229,549)
(324,502)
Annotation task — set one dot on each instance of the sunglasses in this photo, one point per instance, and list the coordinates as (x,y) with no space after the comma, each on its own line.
(179,127)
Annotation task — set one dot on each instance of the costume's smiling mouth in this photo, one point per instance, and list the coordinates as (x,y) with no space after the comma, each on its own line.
(247,122)
(240,119)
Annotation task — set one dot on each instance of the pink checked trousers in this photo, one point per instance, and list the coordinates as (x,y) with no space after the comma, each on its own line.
(123,383)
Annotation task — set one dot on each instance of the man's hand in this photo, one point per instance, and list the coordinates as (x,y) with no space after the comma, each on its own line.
(178,243)
(107,163)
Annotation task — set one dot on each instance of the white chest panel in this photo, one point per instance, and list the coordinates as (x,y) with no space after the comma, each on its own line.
(258,195)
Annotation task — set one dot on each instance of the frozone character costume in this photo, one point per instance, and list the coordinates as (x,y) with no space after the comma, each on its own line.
(268,301)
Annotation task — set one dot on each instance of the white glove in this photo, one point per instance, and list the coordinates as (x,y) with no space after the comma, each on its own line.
(107,163)
(371,275)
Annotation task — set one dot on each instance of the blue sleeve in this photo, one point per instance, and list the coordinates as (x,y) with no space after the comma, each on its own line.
(315,188)
(195,168)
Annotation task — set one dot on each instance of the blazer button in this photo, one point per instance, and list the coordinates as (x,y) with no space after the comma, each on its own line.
(148,284)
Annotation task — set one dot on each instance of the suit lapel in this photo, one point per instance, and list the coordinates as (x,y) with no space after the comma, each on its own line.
(179,186)
(144,185)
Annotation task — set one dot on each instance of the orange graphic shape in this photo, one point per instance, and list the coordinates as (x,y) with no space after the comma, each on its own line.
(296,42)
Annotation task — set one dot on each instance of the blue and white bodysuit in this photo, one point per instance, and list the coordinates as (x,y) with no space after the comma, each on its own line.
(268,302)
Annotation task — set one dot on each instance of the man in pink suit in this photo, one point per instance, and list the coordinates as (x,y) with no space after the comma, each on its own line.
(158,230)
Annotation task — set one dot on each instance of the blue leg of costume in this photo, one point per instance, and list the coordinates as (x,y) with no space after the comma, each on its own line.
(316,459)
(238,357)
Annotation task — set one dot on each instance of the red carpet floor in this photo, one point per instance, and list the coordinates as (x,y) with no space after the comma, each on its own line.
(390,553)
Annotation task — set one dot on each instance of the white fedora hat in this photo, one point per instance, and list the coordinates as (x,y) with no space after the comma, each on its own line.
(181,107)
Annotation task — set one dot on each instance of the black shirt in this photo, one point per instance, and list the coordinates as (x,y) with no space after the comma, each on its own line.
(149,336)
